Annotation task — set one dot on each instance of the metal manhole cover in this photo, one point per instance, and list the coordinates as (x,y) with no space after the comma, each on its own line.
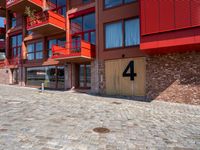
(117,103)
(101,130)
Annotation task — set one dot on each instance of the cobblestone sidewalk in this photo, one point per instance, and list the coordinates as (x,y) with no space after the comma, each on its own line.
(30,120)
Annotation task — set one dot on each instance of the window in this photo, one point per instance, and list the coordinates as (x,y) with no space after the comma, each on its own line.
(132,32)
(86,1)
(16,45)
(84,27)
(35,51)
(53,77)
(113,3)
(122,34)
(114,35)
(13,22)
(50,43)
(59,6)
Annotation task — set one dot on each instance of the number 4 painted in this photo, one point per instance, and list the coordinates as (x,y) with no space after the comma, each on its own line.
(132,74)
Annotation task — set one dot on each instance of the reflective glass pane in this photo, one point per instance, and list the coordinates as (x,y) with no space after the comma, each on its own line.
(30,56)
(132,32)
(30,48)
(50,78)
(39,46)
(61,77)
(114,35)
(19,40)
(14,41)
(129,1)
(88,75)
(61,41)
(50,43)
(14,52)
(76,25)
(93,37)
(89,22)
(86,37)
(112,3)
(36,76)
(81,76)
(39,55)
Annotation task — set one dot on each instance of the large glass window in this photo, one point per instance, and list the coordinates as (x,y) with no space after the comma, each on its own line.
(31,52)
(86,1)
(52,77)
(59,6)
(114,35)
(122,34)
(84,27)
(16,45)
(84,76)
(13,22)
(132,32)
(35,51)
(51,42)
(2,55)
(113,3)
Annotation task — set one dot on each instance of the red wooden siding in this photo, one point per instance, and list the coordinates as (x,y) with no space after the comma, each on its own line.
(164,15)
(170,26)
(182,14)
(195,12)
(152,9)
(167,15)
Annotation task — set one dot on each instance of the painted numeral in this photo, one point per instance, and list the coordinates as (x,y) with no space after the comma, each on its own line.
(131,73)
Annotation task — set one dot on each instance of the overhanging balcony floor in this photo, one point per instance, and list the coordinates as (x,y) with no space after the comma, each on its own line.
(20,5)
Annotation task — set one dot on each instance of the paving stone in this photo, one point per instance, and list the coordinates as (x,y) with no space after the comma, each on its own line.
(55,120)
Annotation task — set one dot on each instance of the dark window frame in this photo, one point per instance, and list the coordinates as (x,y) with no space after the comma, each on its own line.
(57,39)
(123,3)
(82,33)
(123,34)
(17,47)
(35,51)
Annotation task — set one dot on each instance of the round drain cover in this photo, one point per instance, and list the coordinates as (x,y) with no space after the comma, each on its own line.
(101,130)
(117,103)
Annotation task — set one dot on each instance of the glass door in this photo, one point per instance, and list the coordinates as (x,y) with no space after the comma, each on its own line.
(85,76)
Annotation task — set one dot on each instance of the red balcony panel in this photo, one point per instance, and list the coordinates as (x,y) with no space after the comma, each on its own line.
(46,23)
(80,52)
(19,5)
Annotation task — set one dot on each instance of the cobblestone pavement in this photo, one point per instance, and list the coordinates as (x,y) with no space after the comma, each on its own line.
(30,120)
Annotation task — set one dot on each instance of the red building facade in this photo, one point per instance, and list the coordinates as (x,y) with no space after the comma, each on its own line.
(146,49)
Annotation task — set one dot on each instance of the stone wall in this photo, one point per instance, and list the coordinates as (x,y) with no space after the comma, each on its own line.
(174,77)
(5,75)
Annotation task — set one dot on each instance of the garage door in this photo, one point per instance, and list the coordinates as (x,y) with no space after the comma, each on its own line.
(125,77)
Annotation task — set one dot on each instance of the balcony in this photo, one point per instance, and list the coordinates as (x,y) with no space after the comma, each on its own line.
(46,23)
(19,5)
(77,51)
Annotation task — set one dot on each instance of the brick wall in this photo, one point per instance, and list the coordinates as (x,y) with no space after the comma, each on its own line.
(174,77)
